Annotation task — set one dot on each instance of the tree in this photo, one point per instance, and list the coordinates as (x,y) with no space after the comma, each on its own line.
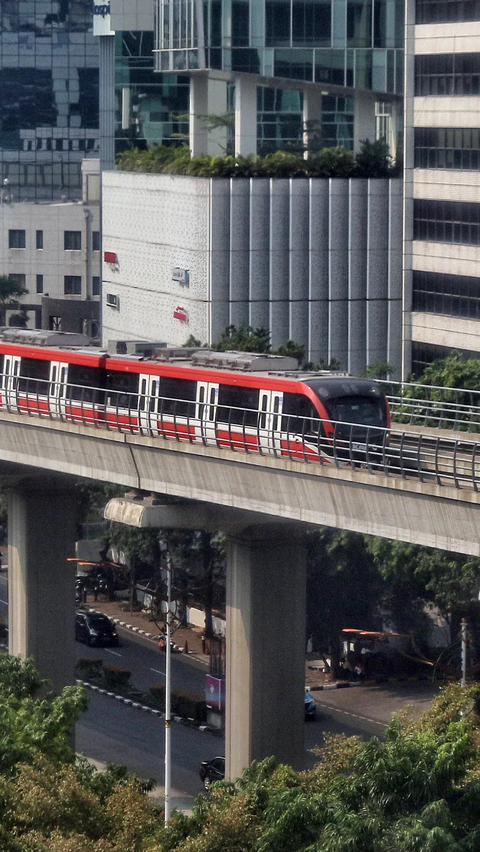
(244,339)
(10,293)
(416,790)
(343,588)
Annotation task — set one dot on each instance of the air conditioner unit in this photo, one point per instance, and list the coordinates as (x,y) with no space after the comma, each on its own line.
(113,301)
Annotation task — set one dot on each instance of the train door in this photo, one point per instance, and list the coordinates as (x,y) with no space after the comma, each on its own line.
(11,372)
(269,420)
(206,410)
(148,397)
(57,390)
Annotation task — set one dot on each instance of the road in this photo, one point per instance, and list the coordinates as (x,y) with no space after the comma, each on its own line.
(111,732)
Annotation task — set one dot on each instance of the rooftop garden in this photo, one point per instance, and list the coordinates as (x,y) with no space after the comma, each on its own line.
(372,161)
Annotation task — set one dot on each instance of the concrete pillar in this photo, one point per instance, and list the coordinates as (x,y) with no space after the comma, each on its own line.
(364,118)
(207,97)
(198,106)
(265,647)
(312,116)
(41,533)
(245,114)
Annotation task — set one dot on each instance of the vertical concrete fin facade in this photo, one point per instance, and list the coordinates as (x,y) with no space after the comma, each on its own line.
(315,259)
(265,647)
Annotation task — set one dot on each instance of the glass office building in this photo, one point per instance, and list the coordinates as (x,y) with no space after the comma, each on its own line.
(48,96)
(352,43)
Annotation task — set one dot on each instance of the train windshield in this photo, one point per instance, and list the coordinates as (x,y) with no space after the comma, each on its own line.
(351,409)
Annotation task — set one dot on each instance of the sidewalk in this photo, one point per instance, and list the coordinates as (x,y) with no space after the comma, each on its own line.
(186,639)
(189,639)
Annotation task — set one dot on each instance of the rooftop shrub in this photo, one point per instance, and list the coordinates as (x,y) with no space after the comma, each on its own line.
(372,161)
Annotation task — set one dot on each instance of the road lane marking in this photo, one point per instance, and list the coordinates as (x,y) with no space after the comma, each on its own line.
(109,651)
(157,671)
(353,715)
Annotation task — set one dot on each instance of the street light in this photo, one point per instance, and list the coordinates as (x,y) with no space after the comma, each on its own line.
(168,684)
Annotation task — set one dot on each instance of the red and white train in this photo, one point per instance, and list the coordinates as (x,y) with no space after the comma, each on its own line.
(254,402)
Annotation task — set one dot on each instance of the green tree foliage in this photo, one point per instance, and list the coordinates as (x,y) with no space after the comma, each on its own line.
(417,791)
(343,588)
(372,161)
(454,371)
(244,339)
(10,293)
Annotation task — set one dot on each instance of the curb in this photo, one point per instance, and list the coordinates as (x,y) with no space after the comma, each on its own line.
(135,704)
(373,682)
(153,636)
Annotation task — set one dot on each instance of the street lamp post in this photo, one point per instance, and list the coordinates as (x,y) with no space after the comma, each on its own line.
(168,691)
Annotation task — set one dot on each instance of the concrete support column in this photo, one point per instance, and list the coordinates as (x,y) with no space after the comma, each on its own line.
(245,114)
(41,532)
(198,106)
(312,116)
(207,97)
(364,118)
(265,647)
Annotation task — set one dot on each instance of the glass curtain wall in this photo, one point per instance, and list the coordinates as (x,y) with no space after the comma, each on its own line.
(48,96)
(347,42)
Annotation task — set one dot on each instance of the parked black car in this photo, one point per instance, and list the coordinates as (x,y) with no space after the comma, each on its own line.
(212,770)
(93,628)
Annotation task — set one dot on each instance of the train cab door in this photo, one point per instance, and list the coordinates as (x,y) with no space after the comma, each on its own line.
(11,373)
(206,410)
(269,420)
(57,389)
(148,403)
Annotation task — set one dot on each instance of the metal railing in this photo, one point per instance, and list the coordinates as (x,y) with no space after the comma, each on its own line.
(434,407)
(426,456)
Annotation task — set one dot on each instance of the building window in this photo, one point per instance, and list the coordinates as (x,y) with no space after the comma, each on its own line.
(72,240)
(39,240)
(96,285)
(446,11)
(447,148)
(16,239)
(447,74)
(449,295)
(95,240)
(39,283)
(55,323)
(424,353)
(72,285)
(446,222)
(18,277)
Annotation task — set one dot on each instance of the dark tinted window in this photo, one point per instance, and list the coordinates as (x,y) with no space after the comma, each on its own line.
(177,396)
(72,240)
(299,414)
(122,389)
(16,238)
(84,383)
(450,295)
(446,221)
(446,11)
(447,148)
(351,409)
(447,74)
(237,405)
(34,375)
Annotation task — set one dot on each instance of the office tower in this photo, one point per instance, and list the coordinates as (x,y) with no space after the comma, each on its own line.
(442,181)
(48,96)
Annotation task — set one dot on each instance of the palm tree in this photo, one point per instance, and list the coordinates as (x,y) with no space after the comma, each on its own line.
(10,292)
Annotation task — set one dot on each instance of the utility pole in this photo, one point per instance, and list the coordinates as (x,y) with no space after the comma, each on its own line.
(463,636)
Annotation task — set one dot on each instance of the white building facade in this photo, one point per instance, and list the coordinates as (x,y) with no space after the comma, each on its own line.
(313,260)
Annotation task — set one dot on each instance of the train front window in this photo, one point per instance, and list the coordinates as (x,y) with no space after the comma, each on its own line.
(351,409)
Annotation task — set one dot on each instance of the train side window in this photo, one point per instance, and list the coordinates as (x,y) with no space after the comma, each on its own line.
(122,389)
(85,383)
(178,396)
(299,415)
(276,409)
(237,405)
(143,390)
(211,413)
(154,397)
(34,375)
(263,409)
